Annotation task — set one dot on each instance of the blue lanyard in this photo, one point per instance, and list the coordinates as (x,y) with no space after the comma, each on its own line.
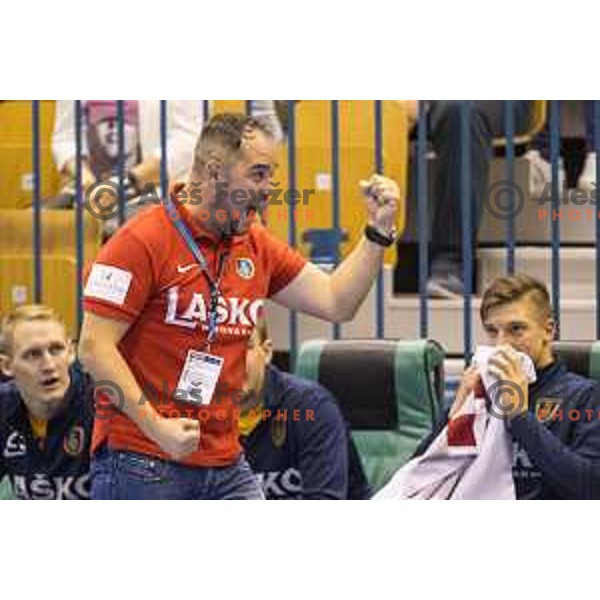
(213,285)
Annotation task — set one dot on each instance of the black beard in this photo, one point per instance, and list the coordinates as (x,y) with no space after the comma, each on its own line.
(232,227)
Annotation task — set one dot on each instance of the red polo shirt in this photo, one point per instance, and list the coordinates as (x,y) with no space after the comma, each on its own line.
(146,275)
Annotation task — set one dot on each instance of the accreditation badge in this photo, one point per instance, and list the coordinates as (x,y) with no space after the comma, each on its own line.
(199,377)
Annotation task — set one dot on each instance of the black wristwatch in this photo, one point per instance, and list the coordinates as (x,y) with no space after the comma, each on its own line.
(374,235)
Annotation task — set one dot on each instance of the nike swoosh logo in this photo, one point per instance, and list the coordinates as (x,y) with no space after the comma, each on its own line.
(185,269)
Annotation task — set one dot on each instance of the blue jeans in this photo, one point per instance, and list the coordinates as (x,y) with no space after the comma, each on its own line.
(118,475)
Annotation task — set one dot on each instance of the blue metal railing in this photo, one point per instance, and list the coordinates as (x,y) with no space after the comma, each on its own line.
(335,187)
(422,219)
(164,177)
(509,128)
(79,211)
(597,150)
(37,202)
(467,228)
(379,168)
(293,321)
(121,158)
(555,221)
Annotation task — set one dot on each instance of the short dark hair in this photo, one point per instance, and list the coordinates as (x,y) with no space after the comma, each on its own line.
(222,137)
(505,290)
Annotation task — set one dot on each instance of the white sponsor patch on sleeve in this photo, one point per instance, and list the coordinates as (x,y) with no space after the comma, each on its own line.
(108,283)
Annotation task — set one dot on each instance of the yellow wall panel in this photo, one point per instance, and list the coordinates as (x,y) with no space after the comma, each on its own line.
(16,162)
(357,161)
(58,281)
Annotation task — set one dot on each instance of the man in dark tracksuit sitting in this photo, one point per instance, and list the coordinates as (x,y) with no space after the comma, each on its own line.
(293,433)
(46,409)
(555,422)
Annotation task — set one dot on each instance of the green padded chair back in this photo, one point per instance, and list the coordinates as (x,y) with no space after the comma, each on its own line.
(582,358)
(6,492)
(388,391)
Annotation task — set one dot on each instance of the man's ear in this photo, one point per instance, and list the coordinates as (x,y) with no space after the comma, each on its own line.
(214,167)
(268,348)
(551,328)
(5,363)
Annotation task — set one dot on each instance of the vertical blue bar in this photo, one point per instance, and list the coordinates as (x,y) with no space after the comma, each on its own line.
(467,236)
(206,110)
(292,218)
(379,167)
(597,150)
(509,128)
(37,206)
(121,158)
(78,214)
(335,186)
(422,219)
(554,158)
(164,177)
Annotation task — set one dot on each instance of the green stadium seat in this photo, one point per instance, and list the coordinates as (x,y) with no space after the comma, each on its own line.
(389,392)
(6,492)
(582,358)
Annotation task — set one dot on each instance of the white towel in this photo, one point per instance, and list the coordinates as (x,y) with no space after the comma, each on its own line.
(472,456)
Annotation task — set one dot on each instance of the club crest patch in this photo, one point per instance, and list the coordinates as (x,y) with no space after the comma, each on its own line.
(545,408)
(278,432)
(74,441)
(245,268)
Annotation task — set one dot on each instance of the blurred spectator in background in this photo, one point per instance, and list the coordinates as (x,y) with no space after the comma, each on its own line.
(142,144)
(486,122)
(539,158)
(293,433)
(274,114)
(46,409)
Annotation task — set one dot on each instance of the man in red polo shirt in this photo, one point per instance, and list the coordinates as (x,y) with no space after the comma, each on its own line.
(170,303)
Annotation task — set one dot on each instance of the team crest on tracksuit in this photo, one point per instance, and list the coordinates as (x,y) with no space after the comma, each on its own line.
(545,408)
(74,441)
(278,432)
(245,268)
